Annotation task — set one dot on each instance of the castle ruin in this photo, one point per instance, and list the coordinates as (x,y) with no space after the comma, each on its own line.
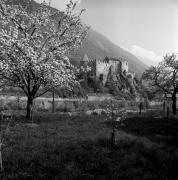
(108,71)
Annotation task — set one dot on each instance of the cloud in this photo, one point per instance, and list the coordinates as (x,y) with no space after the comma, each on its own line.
(147,56)
(59,4)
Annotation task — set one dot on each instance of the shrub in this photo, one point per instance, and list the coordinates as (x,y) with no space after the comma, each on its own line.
(69,106)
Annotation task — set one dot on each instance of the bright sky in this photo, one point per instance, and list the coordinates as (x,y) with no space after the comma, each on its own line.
(59,4)
(147,28)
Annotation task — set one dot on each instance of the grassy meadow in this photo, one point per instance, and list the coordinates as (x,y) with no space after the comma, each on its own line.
(78,147)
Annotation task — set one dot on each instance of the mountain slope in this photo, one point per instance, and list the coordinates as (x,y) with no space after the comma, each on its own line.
(148,62)
(97,46)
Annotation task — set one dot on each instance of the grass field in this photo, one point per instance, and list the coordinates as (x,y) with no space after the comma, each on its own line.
(78,147)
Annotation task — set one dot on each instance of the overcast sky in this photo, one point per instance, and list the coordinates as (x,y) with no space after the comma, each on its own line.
(147,28)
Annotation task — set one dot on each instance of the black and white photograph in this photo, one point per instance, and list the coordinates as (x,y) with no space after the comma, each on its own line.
(88,89)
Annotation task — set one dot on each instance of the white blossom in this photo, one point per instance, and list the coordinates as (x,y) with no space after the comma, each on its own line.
(34,47)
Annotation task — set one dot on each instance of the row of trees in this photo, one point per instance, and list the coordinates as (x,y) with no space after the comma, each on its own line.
(34,45)
(164,78)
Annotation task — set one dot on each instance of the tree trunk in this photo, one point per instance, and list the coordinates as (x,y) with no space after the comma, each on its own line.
(29,107)
(113,136)
(174,99)
(53,102)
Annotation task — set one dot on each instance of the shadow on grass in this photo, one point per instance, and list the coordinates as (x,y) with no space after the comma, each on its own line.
(89,160)
(157,129)
(64,148)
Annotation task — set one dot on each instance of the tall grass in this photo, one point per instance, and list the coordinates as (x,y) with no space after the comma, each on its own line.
(64,147)
(45,104)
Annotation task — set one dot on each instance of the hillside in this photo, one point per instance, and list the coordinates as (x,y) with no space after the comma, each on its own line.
(97,46)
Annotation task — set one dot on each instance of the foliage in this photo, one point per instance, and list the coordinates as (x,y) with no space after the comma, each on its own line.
(164,77)
(45,104)
(115,115)
(34,47)
(76,92)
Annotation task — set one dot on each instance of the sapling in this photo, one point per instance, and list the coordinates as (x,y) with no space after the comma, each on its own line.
(116,117)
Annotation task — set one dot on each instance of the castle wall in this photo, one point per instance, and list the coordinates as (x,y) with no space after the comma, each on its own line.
(115,66)
(124,66)
(102,68)
(109,72)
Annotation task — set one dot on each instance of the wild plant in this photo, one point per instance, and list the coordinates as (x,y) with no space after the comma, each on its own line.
(115,117)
